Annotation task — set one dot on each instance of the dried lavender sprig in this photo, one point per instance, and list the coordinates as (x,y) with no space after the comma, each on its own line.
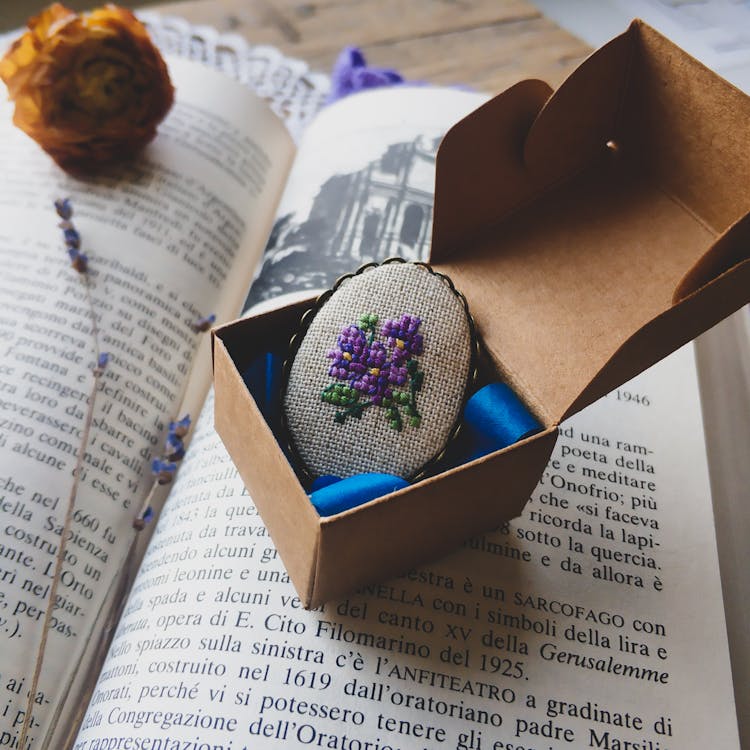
(164,469)
(80,262)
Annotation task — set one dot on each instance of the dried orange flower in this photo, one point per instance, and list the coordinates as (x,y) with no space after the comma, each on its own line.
(90,88)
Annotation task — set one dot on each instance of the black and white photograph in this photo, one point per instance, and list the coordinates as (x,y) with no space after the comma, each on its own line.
(370,204)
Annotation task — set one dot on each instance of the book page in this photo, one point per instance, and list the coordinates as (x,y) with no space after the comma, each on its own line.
(716,32)
(170,237)
(723,356)
(594,620)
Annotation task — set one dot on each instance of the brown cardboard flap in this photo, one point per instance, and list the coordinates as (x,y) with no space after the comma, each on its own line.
(582,116)
(729,251)
(689,128)
(480,163)
(678,325)
(579,244)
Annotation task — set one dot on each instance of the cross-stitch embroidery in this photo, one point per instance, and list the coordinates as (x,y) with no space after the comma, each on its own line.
(377,372)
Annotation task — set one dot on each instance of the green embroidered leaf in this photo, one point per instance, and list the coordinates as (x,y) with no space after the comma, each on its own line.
(368,322)
(339,395)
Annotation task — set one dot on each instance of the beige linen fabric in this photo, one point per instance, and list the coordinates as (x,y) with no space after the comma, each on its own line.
(370,444)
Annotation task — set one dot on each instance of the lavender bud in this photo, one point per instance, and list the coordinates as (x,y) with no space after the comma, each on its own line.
(163,470)
(181,427)
(79,261)
(174,448)
(64,208)
(143,520)
(203,324)
(72,238)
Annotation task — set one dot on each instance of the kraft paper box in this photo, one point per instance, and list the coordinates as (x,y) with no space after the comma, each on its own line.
(593,230)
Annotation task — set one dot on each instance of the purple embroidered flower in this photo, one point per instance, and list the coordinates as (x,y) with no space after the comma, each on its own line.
(369,377)
(350,356)
(402,335)
(374,382)
(351,73)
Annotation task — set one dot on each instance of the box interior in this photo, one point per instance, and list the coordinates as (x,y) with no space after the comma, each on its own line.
(599,217)
(327,557)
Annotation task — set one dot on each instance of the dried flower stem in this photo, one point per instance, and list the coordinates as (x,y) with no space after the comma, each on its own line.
(59,559)
(94,324)
(79,262)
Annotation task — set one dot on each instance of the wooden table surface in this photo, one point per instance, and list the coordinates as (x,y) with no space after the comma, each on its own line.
(486,44)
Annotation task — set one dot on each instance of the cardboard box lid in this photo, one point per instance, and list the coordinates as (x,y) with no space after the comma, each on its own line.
(596,230)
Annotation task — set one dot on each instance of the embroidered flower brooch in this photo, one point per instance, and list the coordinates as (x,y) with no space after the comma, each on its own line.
(378,375)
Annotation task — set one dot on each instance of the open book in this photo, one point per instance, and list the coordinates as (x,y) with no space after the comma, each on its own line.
(594,620)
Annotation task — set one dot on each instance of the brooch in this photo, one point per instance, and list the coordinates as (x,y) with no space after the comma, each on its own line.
(379,372)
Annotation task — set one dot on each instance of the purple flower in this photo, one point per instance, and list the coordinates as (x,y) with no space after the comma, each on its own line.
(397,374)
(403,338)
(361,363)
(370,377)
(374,381)
(350,356)
(351,74)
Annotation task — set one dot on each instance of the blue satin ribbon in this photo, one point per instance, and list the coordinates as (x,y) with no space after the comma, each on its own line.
(263,379)
(494,418)
(338,495)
